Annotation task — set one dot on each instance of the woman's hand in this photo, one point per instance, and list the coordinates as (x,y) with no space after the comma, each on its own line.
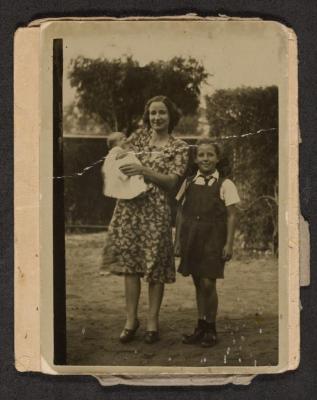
(166,182)
(227,252)
(121,154)
(132,169)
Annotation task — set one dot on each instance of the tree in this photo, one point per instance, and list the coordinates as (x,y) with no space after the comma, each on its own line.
(233,113)
(75,122)
(117,90)
(188,126)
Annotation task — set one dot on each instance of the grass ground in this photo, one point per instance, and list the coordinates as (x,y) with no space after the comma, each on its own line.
(247,321)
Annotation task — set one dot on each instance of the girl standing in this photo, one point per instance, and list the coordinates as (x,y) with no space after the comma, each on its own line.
(205,236)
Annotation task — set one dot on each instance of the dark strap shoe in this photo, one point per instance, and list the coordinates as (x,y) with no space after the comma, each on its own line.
(197,335)
(209,338)
(127,335)
(151,337)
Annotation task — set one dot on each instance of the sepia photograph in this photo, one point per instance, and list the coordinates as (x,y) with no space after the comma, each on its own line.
(166,195)
(168,202)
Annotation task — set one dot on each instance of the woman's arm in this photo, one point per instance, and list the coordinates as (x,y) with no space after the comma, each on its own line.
(231,226)
(178,228)
(166,182)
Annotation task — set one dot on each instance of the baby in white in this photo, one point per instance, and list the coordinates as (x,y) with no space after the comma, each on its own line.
(117,184)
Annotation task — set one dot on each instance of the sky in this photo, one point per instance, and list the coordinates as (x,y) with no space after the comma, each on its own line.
(233,53)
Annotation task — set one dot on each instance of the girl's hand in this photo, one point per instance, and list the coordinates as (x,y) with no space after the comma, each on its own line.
(132,169)
(227,252)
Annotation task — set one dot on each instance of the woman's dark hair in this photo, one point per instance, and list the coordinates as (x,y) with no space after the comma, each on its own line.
(173,111)
(223,166)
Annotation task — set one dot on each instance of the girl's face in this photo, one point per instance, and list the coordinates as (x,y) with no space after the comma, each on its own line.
(159,117)
(206,158)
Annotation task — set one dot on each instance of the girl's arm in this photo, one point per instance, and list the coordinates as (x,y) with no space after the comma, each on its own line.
(166,182)
(231,226)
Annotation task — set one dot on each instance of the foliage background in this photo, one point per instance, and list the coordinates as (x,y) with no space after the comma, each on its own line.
(110,95)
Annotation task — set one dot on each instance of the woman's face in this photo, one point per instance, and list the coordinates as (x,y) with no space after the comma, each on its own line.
(159,117)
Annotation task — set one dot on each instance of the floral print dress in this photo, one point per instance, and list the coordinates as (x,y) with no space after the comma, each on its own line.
(139,239)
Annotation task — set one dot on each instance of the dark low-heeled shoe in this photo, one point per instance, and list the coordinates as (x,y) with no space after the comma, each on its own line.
(209,339)
(127,335)
(195,337)
(198,333)
(151,337)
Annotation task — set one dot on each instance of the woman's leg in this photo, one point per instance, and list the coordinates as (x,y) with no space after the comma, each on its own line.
(132,295)
(156,291)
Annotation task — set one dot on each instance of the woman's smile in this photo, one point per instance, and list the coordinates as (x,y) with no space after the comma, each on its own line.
(159,117)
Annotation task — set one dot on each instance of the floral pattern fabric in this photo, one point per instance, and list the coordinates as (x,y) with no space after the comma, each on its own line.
(139,237)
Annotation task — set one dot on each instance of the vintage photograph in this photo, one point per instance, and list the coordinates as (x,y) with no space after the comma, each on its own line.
(166,194)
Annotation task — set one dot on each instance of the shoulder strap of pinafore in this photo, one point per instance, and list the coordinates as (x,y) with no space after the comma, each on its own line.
(183,189)
(220,182)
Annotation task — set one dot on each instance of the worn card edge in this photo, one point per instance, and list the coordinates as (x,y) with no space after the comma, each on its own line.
(294,211)
(26,200)
(30,350)
(188,17)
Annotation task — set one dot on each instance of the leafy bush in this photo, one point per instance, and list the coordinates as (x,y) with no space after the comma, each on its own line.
(254,158)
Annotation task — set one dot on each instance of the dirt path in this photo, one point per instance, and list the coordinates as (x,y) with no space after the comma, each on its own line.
(247,321)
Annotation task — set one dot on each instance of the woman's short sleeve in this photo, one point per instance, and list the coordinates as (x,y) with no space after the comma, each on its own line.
(178,162)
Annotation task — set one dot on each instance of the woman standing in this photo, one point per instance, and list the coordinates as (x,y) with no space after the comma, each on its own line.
(139,240)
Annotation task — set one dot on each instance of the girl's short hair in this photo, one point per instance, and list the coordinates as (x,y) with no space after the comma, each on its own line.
(173,112)
(208,140)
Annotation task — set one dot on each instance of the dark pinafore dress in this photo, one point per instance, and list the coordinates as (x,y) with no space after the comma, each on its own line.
(203,231)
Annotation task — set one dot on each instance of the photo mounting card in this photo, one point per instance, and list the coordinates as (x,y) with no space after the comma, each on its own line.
(235,83)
